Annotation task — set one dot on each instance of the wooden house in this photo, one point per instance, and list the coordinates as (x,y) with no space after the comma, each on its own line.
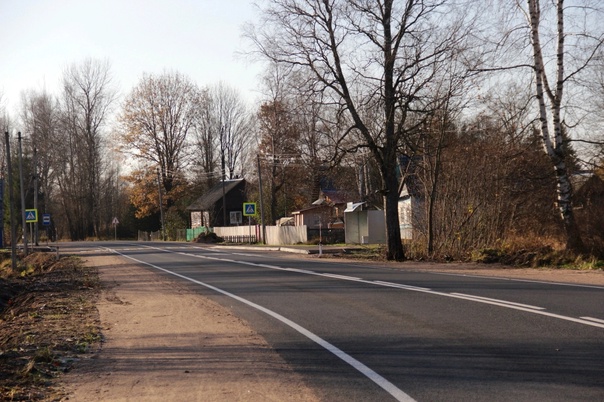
(208,210)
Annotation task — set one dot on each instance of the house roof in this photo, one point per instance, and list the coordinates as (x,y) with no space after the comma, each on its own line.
(213,195)
(353,206)
(411,187)
(332,197)
(314,207)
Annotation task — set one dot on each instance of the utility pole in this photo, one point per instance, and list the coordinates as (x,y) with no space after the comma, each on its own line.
(22,195)
(13,225)
(161,206)
(261,203)
(36,237)
(224,220)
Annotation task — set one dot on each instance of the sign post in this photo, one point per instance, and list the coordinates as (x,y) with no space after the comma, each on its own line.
(115,222)
(31,216)
(249,210)
(46,223)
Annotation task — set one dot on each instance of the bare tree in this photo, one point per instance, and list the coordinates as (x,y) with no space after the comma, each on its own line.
(550,86)
(40,115)
(85,102)
(279,146)
(368,55)
(232,125)
(205,155)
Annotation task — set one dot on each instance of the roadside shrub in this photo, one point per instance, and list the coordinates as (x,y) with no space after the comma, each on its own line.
(209,237)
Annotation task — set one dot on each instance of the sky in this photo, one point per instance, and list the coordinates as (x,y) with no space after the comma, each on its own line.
(198,38)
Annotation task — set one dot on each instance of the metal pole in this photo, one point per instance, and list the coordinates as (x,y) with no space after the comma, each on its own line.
(161,206)
(13,225)
(261,203)
(2,212)
(36,235)
(22,195)
(224,219)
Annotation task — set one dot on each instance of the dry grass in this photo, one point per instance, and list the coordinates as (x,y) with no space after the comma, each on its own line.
(48,318)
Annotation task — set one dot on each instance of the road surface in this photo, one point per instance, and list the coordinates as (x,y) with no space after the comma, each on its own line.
(358,331)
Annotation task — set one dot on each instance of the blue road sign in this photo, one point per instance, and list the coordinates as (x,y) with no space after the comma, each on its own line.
(46,219)
(31,215)
(249,208)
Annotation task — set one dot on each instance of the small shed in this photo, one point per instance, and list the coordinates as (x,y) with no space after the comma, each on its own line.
(364,226)
(207,210)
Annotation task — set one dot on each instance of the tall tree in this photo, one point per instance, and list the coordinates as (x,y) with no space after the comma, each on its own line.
(85,102)
(368,55)
(206,159)
(40,115)
(550,86)
(156,121)
(233,123)
(279,146)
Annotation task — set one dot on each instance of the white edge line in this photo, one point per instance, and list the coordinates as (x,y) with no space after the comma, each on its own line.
(593,319)
(386,385)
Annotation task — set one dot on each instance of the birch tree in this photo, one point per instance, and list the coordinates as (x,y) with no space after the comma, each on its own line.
(550,86)
(367,56)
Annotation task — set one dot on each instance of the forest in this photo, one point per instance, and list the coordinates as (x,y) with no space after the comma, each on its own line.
(493,113)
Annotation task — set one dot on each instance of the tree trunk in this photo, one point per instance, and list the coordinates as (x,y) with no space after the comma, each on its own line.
(393,230)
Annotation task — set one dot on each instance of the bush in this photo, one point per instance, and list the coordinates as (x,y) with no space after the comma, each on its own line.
(209,237)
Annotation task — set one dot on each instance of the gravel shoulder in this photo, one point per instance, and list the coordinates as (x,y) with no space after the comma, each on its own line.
(163,342)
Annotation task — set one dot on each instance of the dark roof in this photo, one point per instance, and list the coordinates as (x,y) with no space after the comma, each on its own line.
(310,209)
(213,195)
(412,187)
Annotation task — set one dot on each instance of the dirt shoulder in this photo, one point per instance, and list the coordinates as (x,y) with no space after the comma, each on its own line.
(163,342)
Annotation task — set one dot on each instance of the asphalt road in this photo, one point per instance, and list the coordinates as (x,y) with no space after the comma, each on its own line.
(358,332)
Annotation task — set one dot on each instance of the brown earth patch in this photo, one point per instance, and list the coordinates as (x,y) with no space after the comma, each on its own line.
(48,320)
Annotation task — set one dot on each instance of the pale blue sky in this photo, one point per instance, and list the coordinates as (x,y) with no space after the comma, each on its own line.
(199,38)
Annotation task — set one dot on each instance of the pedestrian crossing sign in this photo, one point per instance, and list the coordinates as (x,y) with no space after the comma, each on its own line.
(249,208)
(31,215)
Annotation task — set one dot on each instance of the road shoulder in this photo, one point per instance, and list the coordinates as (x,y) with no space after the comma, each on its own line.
(164,342)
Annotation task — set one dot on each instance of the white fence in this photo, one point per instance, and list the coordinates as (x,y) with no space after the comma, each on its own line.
(275,235)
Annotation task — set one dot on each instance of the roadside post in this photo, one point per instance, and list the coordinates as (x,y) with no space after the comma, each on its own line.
(31,216)
(46,224)
(115,222)
(249,210)
(320,240)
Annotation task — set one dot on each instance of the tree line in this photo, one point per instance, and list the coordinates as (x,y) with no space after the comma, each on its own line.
(477,108)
